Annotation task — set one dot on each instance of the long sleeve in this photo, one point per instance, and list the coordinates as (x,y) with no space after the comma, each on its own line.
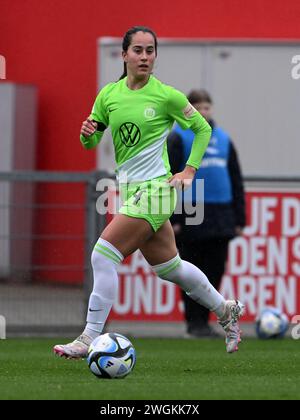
(238,193)
(91,141)
(98,115)
(189,118)
(202,132)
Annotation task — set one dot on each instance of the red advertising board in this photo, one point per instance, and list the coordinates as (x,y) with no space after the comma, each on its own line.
(263,266)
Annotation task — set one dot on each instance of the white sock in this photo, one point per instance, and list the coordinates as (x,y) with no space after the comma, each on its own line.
(105,259)
(193,281)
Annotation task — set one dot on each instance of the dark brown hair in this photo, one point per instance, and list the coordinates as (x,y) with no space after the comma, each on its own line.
(128,38)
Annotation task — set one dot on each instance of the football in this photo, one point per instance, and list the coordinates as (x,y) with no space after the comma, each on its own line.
(111,356)
(271,323)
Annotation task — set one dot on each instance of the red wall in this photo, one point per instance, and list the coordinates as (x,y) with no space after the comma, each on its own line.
(53,45)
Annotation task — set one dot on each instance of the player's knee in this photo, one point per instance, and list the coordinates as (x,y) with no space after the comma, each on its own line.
(99,261)
(105,255)
(169,270)
(95,259)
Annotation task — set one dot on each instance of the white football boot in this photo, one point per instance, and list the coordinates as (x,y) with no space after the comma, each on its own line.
(233,311)
(78,349)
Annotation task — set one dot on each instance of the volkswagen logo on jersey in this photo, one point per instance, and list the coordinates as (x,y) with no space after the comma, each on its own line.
(130,134)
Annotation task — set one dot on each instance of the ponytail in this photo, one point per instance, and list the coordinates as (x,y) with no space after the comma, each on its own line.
(124,72)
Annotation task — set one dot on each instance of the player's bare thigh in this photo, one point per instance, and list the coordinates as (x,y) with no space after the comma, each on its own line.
(127,234)
(161,247)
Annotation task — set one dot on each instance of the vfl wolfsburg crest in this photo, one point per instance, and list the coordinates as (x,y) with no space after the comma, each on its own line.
(130,134)
(149,113)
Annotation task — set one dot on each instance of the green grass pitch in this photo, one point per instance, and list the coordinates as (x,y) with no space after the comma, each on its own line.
(166,369)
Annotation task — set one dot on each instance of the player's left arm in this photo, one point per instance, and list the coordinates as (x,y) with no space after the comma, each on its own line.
(189,118)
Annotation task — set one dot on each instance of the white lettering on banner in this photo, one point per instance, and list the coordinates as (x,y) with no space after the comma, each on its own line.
(252,228)
(286,294)
(145,294)
(291,217)
(238,256)
(259,256)
(258,292)
(142,298)
(161,307)
(263,211)
(124,302)
(247,292)
(264,295)
(124,269)
(278,256)
(296,254)
(268,206)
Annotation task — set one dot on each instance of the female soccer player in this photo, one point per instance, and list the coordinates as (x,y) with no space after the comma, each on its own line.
(141,111)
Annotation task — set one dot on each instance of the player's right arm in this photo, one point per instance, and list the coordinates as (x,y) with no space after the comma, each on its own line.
(93,127)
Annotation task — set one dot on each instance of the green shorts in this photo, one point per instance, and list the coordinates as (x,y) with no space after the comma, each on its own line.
(153,200)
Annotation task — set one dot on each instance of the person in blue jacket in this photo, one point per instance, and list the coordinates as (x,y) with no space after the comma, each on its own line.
(206,245)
